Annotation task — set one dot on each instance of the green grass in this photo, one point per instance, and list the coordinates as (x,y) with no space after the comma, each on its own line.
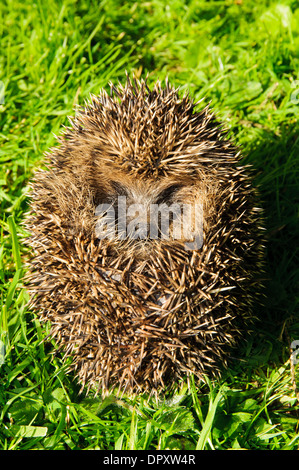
(244,57)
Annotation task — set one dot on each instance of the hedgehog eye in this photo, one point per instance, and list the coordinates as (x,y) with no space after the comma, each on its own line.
(167,193)
(119,188)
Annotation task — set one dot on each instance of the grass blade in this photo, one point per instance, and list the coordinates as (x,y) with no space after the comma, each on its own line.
(15,242)
(207,426)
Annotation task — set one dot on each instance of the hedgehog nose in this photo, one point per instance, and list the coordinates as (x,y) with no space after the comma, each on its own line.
(140,230)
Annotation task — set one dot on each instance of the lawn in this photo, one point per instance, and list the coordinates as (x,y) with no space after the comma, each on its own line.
(243,56)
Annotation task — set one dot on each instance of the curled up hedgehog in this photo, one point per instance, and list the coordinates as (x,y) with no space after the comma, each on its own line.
(147,245)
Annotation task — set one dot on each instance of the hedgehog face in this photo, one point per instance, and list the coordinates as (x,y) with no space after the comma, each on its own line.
(147,246)
(148,210)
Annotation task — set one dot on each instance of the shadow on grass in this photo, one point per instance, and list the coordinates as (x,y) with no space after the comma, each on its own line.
(275,159)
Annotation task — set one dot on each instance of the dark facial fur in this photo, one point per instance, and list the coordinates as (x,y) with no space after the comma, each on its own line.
(140,312)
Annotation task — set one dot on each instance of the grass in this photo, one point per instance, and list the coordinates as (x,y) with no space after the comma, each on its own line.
(244,57)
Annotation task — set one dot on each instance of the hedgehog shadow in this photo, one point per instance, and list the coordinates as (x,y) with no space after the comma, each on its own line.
(273,158)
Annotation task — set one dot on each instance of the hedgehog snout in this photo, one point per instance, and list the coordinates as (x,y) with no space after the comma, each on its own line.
(143,211)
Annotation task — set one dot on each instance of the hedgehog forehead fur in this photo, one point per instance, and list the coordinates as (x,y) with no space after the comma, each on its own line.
(137,313)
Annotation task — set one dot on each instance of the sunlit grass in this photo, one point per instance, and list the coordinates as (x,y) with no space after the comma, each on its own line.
(241,56)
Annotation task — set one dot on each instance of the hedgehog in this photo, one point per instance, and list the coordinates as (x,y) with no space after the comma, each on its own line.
(146,240)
